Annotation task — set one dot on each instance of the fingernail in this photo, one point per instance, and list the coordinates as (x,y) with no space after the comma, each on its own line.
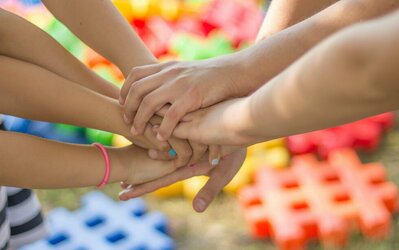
(153,154)
(215,162)
(172,152)
(160,138)
(200,205)
(125,191)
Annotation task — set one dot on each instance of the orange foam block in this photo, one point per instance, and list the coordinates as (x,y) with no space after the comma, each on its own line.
(319,200)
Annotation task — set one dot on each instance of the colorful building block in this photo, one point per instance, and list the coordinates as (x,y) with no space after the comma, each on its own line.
(103,224)
(239,20)
(364,135)
(95,135)
(323,200)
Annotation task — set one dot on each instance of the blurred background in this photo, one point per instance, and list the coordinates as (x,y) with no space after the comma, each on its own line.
(200,29)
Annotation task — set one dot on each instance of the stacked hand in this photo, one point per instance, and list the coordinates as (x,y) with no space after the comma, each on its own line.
(172,90)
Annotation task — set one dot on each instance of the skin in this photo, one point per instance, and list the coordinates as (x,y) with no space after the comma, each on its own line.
(189,86)
(352,75)
(84,165)
(295,40)
(106,31)
(14,44)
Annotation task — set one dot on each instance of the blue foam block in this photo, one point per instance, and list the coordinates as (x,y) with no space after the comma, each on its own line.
(103,224)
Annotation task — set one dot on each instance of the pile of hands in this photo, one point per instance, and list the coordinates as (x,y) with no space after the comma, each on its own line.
(186,112)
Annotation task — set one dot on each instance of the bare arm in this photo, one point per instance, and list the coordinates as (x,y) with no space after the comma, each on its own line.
(105,30)
(46,53)
(32,92)
(280,50)
(189,86)
(349,76)
(285,13)
(32,162)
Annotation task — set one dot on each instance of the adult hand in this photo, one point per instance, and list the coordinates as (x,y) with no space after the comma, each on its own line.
(187,86)
(219,177)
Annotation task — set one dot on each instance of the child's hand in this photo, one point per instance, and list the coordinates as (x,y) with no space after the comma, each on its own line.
(221,124)
(220,176)
(185,152)
(187,86)
(139,168)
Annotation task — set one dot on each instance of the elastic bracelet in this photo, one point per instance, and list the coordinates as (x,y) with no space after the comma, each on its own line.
(107,164)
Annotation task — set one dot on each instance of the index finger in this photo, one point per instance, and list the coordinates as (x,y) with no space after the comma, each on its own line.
(178,175)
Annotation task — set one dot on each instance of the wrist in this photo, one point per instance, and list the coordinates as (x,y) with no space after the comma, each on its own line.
(249,74)
(242,122)
(119,166)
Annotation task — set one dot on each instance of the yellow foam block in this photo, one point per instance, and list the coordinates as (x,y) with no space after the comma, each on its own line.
(277,157)
(173,190)
(242,178)
(193,185)
(169,9)
(125,8)
(120,141)
(141,8)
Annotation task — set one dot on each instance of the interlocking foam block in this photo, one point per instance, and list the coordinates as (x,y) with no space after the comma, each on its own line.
(239,20)
(103,224)
(44,130)
(174,190)
(319,200)
(120,141)
(193,185)
(95,135)
(270,154)
(364,134)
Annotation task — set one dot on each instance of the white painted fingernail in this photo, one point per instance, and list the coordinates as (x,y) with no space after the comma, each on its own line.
(215,162)
(126,191)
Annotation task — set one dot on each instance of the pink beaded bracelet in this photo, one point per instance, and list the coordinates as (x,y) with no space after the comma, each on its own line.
(107,165)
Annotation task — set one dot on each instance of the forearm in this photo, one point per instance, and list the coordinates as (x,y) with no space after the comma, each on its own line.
(350,76)
(29,91)
(66,165)
(285,13)
(46,53)
(105,30)
(280,50)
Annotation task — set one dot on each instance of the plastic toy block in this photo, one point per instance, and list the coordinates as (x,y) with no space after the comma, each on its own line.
(174,190)
(323,200)
(193,185)
(190,47)
(16,124)
(364,134)
(120,141)
(102,224)
(95,135)
(65,37)
(239,20)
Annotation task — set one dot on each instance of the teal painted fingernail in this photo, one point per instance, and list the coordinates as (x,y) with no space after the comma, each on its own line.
(172,153)
(215,162)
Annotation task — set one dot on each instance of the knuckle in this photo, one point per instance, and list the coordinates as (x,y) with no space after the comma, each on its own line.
(171,114)
(135,71)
